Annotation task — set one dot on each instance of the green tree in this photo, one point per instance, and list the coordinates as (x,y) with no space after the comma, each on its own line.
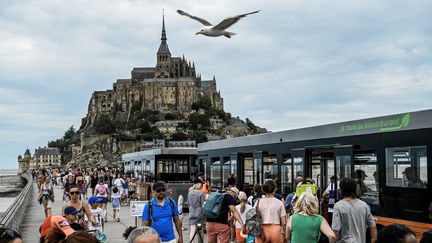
(179,136)
(199,121)
(250,124)
(199,136)
(203,102)
(104,125)
(69,133)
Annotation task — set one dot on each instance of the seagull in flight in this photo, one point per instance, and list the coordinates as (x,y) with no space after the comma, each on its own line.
(219,29)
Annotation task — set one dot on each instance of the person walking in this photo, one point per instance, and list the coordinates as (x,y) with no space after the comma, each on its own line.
(243,208)
(195,200)
(218,228)
(101,190)
(352,216)
(80,206)
(273,215)
(46,195)
(115,203)
(306,225)
(160,213)
(93,182)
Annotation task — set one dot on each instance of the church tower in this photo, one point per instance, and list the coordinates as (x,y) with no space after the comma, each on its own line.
(163,65)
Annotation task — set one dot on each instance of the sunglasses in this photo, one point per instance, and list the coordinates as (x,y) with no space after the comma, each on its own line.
(160,190)
(9,233)
(74,193)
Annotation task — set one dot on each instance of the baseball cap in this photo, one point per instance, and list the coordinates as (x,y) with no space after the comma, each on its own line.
(56,221)
(158,185)
(234,189)
(242,195)
(94,199)
(70,210)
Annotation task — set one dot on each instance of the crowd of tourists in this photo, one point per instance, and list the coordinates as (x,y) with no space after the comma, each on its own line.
(229,215)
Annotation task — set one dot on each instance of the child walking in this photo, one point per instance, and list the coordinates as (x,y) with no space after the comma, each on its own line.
(97,213)
(116,203)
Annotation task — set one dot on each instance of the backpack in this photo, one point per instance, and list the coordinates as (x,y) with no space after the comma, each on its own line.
(124,184)
(212,207)
(253,225)
(150,206)
(102,189)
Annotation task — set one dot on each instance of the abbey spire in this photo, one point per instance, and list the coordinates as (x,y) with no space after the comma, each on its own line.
(163,65)
(163,48)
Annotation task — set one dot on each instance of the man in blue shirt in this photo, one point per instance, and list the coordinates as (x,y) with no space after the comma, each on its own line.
(160,213)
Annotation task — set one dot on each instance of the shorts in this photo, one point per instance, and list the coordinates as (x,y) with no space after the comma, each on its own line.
(103,199)
(131,193)
(238,237)
(46,202)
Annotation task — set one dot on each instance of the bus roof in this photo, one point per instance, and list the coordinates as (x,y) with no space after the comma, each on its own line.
(391,123)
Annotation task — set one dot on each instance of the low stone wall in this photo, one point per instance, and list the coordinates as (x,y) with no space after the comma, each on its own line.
(14,214)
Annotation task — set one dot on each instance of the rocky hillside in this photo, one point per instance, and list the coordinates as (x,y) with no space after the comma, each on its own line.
(110,135)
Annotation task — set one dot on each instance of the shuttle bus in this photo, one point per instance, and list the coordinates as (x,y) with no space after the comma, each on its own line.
(389,156)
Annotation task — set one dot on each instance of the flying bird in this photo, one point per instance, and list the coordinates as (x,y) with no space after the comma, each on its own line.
(219,29)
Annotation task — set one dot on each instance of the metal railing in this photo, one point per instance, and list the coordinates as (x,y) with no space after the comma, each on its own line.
(14,214)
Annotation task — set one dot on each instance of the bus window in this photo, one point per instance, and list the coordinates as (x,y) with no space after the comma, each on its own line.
(270,167)
(286,174)
(343,163)
(226,171)
(248,171)
(298,166)
(406,167)
(366,175)
(215,173)
(182,166)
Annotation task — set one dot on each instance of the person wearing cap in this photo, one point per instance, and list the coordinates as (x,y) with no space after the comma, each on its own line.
(55,221)
(97,213)
(243,208)
(218,228)
(195,201)
(412,178)
(160,213)
(71,214)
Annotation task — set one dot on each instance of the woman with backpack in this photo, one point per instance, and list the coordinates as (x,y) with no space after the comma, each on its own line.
(243,208)
(102,193)
(272,213)
(306,225)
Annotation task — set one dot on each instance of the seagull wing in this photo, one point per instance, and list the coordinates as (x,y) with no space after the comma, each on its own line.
(231,20)
(202,21)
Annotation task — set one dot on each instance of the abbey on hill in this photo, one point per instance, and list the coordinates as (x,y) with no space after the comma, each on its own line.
(171,86)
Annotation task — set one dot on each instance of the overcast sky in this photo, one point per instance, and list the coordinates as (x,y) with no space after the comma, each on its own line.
(294,64)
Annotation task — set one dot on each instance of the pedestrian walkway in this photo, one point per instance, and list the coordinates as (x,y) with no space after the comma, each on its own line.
(35,216)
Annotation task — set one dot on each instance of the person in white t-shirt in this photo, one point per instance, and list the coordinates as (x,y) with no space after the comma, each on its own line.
(243,208)
(97,213)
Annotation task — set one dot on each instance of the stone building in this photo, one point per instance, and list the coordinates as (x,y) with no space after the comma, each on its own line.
(24,162)
(171,85)
(47,157)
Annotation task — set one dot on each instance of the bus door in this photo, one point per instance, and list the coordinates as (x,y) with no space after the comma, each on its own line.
(321,166)
(245,165)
